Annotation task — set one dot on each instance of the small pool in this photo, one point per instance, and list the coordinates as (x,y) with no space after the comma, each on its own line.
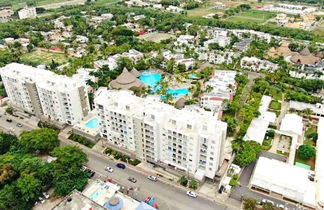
(302,165)
(150,79)
(192,76)
(175,93)
(96,194)
(92,124)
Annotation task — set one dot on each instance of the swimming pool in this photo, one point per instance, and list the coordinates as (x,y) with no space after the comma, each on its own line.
(192,76)
(150,79)
(96,194)
(175,93)
(92,124)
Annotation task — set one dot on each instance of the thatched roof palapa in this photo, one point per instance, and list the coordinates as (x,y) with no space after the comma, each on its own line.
(125,80)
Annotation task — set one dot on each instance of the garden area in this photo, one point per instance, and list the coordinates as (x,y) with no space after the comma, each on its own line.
(122,157)
(82,140)
(43,57)
(305,156)
(275,105)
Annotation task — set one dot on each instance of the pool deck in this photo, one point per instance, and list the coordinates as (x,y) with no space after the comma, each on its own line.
(82,129)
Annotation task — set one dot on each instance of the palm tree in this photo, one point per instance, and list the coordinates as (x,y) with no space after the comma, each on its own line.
(308,112)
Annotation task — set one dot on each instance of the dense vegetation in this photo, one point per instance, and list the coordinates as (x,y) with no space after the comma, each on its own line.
(24,175)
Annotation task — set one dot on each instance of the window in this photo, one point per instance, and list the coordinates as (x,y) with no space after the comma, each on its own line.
(189,126)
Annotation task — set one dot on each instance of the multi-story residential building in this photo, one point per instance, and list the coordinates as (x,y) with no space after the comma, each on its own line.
(27,12)
(188,140)
(45,94)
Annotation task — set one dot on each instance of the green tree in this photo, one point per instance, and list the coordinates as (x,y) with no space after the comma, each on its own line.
(306,151)
(43,140)
(7,174)
(247,152)
(29,186)
(249,204)
(6,141)
(193,184)
(9,110)
(69,156)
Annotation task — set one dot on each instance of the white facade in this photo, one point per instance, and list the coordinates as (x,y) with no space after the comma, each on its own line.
(319,169)
(45,94)
(223,86)
(256,64)
(192,141)
(28,12)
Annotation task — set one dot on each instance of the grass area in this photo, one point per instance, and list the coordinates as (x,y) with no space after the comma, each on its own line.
(43,57)
(201,11)
(282,153)
(275,105)
(310,162)
(82,140)
(252,16)
(17,4)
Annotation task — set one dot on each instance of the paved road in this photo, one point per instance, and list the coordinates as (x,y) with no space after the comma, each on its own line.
(168,197)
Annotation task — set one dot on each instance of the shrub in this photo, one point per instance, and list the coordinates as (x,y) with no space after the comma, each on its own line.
(193,184)
(82,140)
(306,151)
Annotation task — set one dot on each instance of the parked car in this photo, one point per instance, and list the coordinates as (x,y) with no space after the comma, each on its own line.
(152,178)
(280,206)
(221,189)
(46,195)
(41,200)
(109,169)
(267,201)
(89,172)
(9,120)
(121,165)
(191,194)
(19,125)
(132,179)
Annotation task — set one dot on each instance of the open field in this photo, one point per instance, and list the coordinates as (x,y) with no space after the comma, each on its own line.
(17,4)
(156,37)
(44,57)
(253,16)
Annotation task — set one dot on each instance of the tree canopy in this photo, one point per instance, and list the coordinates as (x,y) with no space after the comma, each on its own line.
(43,140)
(306,151)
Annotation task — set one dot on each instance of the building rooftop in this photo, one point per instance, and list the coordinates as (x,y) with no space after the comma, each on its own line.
(288,180)
(293,124)
(77,201)
(257,130)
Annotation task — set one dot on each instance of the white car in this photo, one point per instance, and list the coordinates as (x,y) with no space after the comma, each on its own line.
(109,169)
(152,178)
(46,195)
(267,201)
(191,194)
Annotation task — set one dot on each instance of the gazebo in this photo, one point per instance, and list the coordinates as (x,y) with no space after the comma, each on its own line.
(305,57)
(126,80)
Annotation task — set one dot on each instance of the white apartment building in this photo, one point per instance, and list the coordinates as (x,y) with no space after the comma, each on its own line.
(45,94)
(27,12)
(191,141)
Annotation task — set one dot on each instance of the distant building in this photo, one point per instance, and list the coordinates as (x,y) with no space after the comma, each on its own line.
(5,14)
(242,45)
(256,64)
(27,12)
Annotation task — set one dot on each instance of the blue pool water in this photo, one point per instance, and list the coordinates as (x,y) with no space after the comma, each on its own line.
(150,79)
(192,76)
(96,194)
(177,92)
(93,123)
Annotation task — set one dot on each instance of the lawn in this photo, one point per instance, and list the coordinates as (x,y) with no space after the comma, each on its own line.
(275,105)
(252,16)
(17,4)
(43,57)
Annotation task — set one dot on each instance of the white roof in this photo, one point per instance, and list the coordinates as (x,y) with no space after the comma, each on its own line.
(317,109)
(257,130)
(289,180)
(319,167)
(292,123)
(266,115)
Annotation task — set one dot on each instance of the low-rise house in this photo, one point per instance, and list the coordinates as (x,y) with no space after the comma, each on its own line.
(188,62)
(285,181)
(222,87)
(185,40)
(256,64)
(81,39)
(222,41)
(175,9)
(317,109)
(27,12)
(242,45)
(5,14)
(134,55)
